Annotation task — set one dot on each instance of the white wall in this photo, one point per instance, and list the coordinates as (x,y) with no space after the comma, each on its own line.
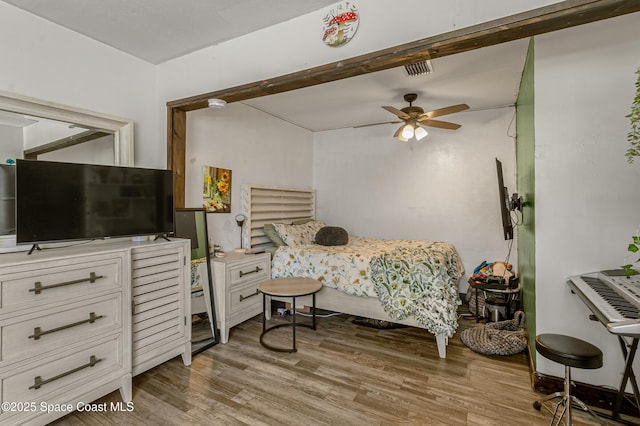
(444,189)
(266,151)
(587,198)
(45,61)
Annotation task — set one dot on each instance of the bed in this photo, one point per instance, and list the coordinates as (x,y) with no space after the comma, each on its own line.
(408,282)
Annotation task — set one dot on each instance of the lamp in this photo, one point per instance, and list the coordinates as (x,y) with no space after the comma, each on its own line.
(240,218)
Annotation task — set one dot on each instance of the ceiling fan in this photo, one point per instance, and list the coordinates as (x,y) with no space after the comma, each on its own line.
(414,118)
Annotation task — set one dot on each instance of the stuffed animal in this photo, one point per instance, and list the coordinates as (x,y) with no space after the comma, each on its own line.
(502,269)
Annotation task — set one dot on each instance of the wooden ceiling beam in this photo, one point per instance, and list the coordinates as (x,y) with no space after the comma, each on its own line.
(526,24)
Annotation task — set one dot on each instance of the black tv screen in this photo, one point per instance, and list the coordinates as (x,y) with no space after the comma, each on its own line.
(505,210)
(66,201)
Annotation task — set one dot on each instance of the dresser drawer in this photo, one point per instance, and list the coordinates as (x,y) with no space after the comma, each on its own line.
(246,298)
(49,282)
(50,377)
(36,334)
(256,270)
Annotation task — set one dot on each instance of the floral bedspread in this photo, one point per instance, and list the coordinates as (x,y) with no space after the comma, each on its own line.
(420,281)
(410,277)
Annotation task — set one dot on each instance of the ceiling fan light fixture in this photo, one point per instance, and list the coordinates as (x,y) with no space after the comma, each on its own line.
(414,118)
(420,133)
(407,131)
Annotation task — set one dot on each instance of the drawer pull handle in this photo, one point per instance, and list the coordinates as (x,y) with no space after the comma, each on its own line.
(37,331)
(38,287)
(253,271)
(38,382)
(251,295)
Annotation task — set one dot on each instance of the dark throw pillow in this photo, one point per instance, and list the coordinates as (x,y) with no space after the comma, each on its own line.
(332,236)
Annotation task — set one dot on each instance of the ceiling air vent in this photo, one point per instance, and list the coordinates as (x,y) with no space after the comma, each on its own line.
(419,68)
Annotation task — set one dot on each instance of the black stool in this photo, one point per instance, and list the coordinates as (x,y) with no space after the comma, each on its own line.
(570,352)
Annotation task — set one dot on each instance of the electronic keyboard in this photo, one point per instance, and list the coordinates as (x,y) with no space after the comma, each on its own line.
(613,297)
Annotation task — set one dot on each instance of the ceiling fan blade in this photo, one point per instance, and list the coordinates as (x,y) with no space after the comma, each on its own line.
(443,111)
(376,124)
(440,124)
(397,112)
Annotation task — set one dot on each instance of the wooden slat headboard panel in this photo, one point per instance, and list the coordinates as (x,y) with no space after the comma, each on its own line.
(263,204)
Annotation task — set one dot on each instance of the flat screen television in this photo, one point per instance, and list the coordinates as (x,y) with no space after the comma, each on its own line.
(505,205)
(65,201)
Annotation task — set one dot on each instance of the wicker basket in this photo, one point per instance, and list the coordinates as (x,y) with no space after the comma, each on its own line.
(497,338)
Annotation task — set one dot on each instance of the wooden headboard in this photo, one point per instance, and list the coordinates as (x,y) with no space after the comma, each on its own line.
(263,204)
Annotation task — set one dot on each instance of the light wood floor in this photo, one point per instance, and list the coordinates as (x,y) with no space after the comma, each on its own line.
(342,374)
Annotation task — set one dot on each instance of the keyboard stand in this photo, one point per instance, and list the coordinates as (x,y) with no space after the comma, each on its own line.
(629,355)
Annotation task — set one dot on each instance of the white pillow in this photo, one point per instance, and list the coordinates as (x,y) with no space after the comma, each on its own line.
(298,235)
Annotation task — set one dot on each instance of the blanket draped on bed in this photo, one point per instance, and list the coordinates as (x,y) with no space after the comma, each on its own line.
(420,281)
(410,277)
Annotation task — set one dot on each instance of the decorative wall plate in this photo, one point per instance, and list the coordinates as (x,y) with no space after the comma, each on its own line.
(340,24)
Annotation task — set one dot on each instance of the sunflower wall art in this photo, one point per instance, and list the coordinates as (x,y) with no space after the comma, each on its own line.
(216,192)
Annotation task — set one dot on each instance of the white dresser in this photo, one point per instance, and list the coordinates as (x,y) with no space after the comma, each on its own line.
(66,325)
(235,279)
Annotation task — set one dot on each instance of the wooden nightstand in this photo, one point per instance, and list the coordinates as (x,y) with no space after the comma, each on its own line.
(235,279)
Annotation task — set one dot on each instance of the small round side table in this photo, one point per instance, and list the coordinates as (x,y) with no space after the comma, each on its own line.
(288,287)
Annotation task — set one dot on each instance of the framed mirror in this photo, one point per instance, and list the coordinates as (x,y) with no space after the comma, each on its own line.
(192,224)
(63,133)
(91,125)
